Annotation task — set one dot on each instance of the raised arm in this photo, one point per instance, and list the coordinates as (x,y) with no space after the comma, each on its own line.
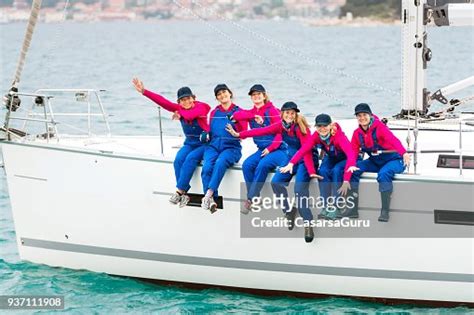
(243,115)
(160,100)
(200,110)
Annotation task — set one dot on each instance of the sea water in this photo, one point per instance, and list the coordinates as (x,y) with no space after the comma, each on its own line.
(322,69)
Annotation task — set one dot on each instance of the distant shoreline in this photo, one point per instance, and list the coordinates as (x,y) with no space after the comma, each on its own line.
(356,22)
(313,22)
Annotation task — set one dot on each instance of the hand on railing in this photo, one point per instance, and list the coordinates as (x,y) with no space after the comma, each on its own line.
(138,85)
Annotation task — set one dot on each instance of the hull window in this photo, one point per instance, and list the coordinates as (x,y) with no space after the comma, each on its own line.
(195,201)
(454,217)
(452,161)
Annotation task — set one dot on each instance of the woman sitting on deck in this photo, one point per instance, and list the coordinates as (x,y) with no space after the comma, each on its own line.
(387,156)
(193,117)
(295,131)
(223,151)
(336,167)
(271,150)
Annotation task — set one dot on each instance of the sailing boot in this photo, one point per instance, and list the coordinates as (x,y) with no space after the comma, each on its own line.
(386,195)
(353,212)
(246,207)
(213,206)
(322,214)
(308,234)
(331,214)
(290,216)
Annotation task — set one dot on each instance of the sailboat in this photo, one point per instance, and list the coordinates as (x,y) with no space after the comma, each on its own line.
(71,209)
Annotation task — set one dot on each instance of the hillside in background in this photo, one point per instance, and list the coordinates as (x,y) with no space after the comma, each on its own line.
(380,9)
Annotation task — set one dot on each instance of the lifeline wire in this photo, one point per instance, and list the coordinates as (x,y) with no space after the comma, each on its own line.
(297,52)
(268,62)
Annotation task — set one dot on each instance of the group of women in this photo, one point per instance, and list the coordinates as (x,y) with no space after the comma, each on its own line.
(284,143)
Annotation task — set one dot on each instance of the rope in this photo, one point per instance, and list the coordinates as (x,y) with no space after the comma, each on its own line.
(35,7)
(59,32)
(451,107)
(263,59)
(296,52)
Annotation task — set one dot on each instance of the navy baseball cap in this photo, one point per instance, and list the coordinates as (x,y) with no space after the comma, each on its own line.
(362,108)
(289,106)
(323,120)
(221,87)
(184,92)
(257,88)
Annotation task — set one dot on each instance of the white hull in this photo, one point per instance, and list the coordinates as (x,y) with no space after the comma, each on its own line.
(109,212)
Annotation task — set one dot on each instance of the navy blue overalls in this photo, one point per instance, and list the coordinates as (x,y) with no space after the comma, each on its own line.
(386,165)
(256,167)
(223,151)
(190,154)
(280,180)
(331,169)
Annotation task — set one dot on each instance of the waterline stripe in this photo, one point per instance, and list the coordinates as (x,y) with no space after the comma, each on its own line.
(250,265)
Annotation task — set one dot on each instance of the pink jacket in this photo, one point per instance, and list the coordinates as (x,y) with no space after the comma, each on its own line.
(274,113)
(277,128)
(341,144)
(239,125)
(385,138)
(199,111)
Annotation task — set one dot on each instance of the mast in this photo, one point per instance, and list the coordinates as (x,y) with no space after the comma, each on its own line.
(413,64)
(416,15)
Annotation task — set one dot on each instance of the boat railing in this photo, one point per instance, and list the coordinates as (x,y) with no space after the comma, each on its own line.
(42,98)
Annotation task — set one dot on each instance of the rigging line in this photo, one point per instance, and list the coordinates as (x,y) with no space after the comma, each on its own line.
(268,62)
(35,8)
(59,31)
(298,52)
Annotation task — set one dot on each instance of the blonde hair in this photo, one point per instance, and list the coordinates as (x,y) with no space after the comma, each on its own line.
(301,121)
(266,97)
